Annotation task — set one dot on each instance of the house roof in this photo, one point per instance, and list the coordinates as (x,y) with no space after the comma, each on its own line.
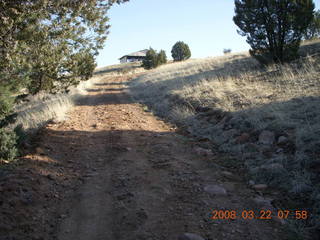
(141,53)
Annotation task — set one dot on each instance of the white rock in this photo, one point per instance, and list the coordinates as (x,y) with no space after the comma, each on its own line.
(202,151)
(215,190)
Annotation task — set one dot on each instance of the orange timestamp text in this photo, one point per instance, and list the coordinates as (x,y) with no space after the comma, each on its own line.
(261,214)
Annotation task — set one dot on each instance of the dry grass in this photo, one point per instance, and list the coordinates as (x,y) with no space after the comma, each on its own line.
(221,98)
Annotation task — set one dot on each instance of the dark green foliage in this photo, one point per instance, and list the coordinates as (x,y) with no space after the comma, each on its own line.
(273,28)
(47,46)
(154,59)
(151,59)
(180,51)
(162,58)
(313,31)
(8,141)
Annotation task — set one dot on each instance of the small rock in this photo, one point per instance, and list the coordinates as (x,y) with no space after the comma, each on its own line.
(263,202)
(202,109)
(230,133)
(243,138)
(267,137)
(272,166)
(282,140)
(49,176)
(190,236)
(260,187)
(215,190)
(251,183)
(39,151)
(128,149)
(251,147)
(203,152)
(229,175)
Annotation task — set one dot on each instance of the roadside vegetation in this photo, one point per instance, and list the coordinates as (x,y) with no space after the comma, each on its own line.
(154,59)
(266,118)
(180,51)
(45,46)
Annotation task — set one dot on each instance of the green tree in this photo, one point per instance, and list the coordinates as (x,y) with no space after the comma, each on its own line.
(151,59)
(47,46)
(273,28)
(313,31)
(180,51)
(161,58)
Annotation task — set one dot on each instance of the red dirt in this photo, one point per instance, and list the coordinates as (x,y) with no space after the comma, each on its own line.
(113,171)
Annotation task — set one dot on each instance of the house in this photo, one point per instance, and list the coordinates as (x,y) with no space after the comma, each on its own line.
(134,57)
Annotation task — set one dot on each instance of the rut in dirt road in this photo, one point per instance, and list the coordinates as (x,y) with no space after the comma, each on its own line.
(143,180)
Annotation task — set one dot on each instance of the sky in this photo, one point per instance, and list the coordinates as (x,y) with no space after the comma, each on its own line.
(206,26)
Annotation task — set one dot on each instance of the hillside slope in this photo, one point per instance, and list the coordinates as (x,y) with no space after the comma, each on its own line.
(267,119)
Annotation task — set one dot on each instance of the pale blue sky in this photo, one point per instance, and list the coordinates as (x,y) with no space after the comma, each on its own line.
(206,26)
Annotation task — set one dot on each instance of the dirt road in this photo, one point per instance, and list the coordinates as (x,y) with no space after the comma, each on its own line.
(141,180)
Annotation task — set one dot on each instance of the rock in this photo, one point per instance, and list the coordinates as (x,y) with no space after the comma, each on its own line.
(314,165)
(190,236)
(49,176)
(230,175)
(243,138)
(202,109)
(215,190)
(251,147)
(272,167)
(264,203)
(260,187)
(226,174)
(202,151)
(39,151)
(230,133)
(267,137)
(251,183)
(282,140)
(300,187)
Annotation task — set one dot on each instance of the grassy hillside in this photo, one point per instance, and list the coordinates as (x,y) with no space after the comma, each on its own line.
(266,119)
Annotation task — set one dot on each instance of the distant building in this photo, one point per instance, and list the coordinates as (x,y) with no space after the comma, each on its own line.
(134,57)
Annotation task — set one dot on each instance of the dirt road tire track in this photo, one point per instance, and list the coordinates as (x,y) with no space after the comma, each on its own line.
(147,182)
(112,171)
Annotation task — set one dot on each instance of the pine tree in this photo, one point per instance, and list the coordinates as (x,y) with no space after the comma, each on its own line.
(47,46)
(313,31)
(161,58)
(151,60)
(180,51)
(273,28)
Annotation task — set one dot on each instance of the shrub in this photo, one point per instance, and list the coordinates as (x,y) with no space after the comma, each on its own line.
(8,141)
(226,50)
(274,29)
(313,31)
(154,59)
(162,57)
(151,59)
(180,51)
